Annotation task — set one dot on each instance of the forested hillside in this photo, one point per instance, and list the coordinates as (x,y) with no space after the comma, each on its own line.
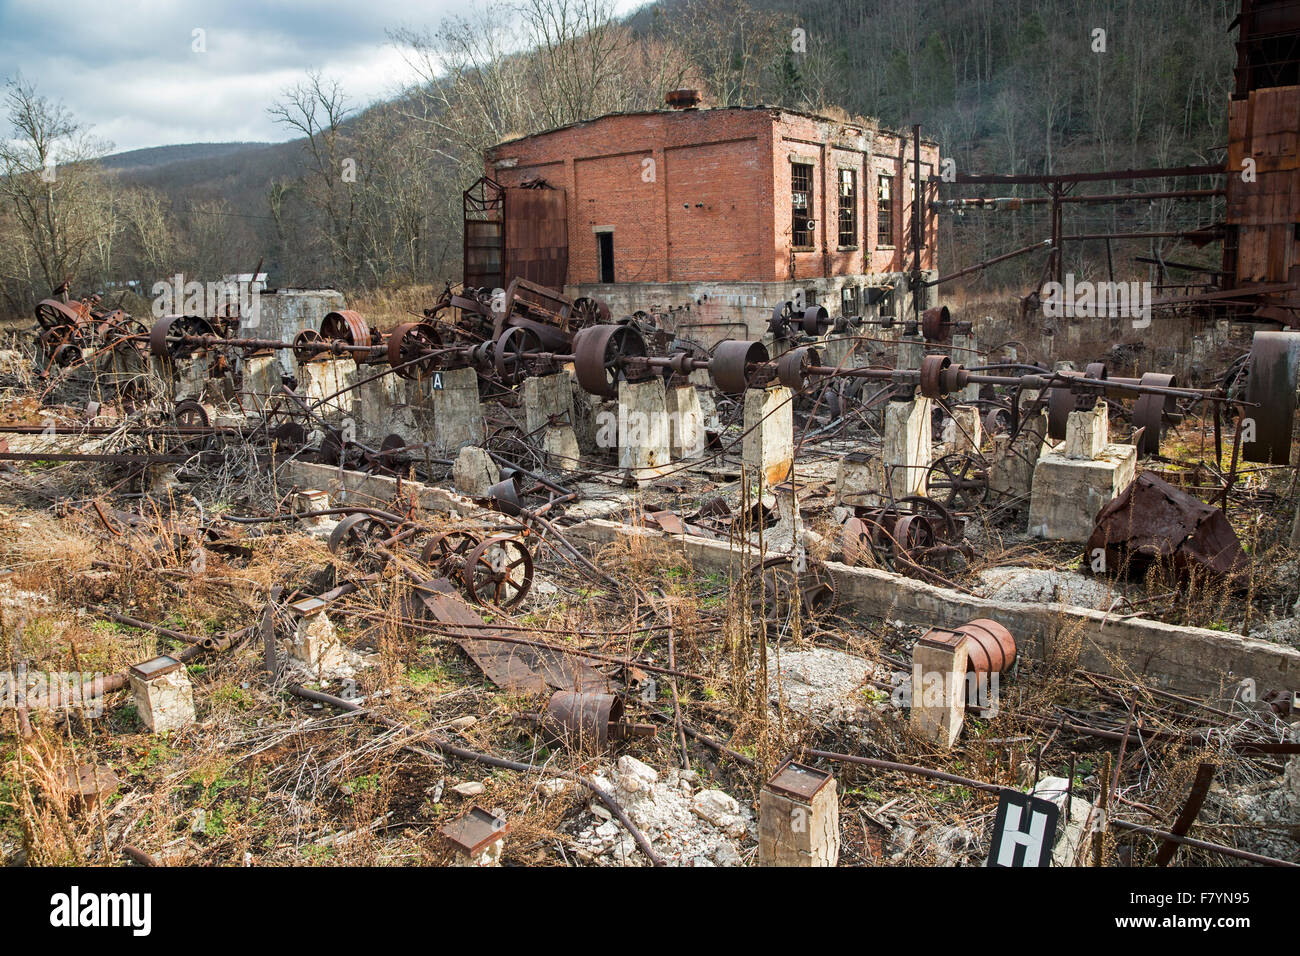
(369,196)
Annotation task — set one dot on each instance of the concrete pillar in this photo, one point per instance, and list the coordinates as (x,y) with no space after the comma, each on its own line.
(316,380)
(939,685)
(315,643)
(164,697)
(769,433)
(857,479)
(906,449)
(308,500)
(911,349)
(1011,472)
(963,430)
(474,471)
(260,376)
(457,412)
(643,428)
(1087,433)
(686,436)
(1073,832)
(964,345)
(799,818)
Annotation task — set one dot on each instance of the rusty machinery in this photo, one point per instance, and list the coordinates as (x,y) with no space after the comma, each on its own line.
(493,568)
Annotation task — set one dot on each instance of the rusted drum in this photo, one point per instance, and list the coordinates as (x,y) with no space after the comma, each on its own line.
(1150,411)
(814,320)
(731,361)
(932,369)
(1271,383)
(345,325)
(792,367)
(599,352)
(990,649)
(582,720)
(936,323)
(411,348)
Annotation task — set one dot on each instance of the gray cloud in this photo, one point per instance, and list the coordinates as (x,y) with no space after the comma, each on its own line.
(128,71)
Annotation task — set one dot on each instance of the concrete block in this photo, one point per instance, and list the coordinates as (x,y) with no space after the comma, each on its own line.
(474,471)
(798,819)
(769,433)
(963,430)
(1073,831)
(1068,492)
(686,436)
(308,500)
(939,685)
(165,702)
(643,428)
(260,376)
(327,377)
(1087,432)
(906,448)
(457,411)
(858,479)
(1011,472)
(315,643)
(911,349)
(560,446)
(547,400)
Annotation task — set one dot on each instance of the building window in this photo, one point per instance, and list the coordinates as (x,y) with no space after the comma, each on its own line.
(849,301)
(848,207)
(886,310)
(605,255)
(801,191)
(885,211)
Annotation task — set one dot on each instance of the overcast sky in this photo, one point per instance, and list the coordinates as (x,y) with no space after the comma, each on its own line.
(127,70)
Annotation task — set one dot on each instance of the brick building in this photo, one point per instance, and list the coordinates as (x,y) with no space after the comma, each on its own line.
(729,211)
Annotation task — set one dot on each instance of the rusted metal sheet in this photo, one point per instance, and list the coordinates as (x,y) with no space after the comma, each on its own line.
(1152,521)
(483,204)
(512,667)
(535,242)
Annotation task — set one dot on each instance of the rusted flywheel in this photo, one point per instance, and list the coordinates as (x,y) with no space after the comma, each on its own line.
(959,481)
(347,326)
(588,311)
(600,352)
(303,351)
(733,361)
(445,552)
(508,355)
(783,585)
(357,538)
(936,324)
(498,571)
(1152,412)
(51,313)
(792,367)
(410,350)
(166,338)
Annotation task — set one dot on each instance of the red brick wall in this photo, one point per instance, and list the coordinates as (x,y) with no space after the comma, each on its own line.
(705,194)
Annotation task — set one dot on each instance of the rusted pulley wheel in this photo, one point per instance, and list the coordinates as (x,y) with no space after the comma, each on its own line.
(776,587)
(498,571)
(912,536)
(936,324)
(958,482)
(412,348)
(857,541)
(815,320)
(346,326)
(941,518)
(445,552)
(509,351)
(792,367)
(356,539)
(1151,412)
(600,355)
(588,311)
(932,369)
(189,413)
(168,334)
(733,365)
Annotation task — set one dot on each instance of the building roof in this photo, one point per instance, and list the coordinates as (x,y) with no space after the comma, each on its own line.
(700,111)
